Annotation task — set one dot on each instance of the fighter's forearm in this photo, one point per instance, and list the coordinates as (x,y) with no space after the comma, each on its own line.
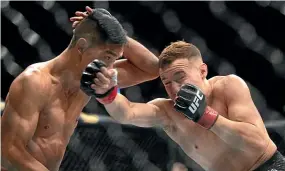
(120,109)
(239,134)
(22,159)
(141,57)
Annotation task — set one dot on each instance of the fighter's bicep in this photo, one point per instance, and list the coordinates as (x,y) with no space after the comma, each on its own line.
(244,113)
(21,112)
(150,114)
(128,74)
(239,102)
(17,126)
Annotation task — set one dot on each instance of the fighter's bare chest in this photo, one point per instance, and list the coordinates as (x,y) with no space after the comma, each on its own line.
(60,115)
(189,135)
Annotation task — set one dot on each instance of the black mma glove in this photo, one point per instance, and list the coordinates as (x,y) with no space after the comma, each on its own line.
(87,80)
(192,103)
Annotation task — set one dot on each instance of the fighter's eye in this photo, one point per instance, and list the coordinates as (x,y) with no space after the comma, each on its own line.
(166,83)
(108,57)
(179,79)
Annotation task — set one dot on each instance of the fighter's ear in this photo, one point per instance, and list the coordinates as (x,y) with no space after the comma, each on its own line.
(81,45)
(204,70)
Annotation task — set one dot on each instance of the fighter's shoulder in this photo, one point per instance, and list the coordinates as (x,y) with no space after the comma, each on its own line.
(31,78)
(234,83)
(230,86)
(227,81)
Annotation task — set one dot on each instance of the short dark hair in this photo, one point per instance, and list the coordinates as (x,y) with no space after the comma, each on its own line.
(100,27)
(178,50)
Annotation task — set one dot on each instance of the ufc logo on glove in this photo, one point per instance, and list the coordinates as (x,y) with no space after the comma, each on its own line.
(191,102)
(195,104)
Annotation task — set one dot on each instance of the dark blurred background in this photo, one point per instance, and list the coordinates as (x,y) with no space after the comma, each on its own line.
(242,38)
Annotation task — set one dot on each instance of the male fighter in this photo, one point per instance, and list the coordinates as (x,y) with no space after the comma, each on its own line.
(213,120)
(45,101)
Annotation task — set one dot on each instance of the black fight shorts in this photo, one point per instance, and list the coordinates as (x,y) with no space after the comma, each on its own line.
(275,163)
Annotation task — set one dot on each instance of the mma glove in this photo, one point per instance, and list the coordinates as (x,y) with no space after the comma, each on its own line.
(87,80)
(192,103)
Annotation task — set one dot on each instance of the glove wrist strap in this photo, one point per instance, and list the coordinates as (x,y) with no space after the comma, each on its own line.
(110,97)
(209,118)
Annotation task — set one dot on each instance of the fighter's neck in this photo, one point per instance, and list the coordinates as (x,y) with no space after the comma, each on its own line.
(208,91)
(68,63)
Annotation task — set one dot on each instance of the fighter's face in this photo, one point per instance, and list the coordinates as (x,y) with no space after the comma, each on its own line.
(179,72)
(108,53)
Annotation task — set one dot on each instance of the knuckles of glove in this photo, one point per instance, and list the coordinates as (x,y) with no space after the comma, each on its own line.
(88,76)
(191,102)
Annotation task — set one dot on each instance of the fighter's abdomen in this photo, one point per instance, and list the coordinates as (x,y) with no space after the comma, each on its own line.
(48,151)
(208,150)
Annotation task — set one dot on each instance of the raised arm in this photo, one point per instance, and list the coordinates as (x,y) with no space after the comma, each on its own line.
(242,129)
(139,114)
(19,122)
(139,66)
(244,126)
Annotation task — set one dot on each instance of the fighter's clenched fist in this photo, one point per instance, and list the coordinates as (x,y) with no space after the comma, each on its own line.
(99,81)
(191,102)
(98,36)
